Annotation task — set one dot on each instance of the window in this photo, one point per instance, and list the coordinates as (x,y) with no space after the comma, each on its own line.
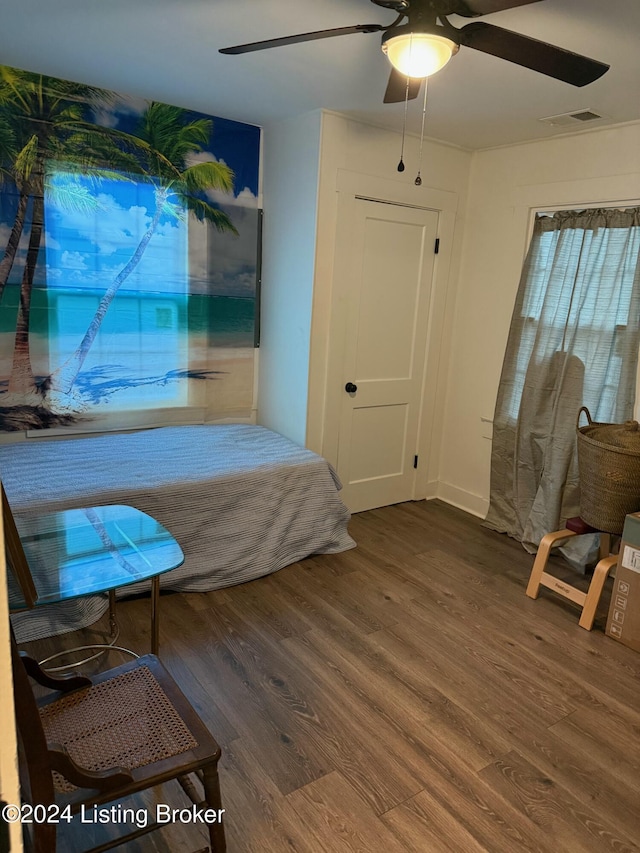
(145,332)
(573,342)
(577,282)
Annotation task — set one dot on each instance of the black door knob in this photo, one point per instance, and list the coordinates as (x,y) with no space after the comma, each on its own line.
(350,388)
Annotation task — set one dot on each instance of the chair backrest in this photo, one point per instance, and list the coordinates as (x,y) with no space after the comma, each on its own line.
(35,770)
(16,559)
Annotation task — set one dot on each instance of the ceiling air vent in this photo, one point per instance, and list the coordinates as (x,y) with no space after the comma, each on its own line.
(571,119)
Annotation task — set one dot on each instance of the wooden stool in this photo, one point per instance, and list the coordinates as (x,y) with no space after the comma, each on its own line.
(587,600)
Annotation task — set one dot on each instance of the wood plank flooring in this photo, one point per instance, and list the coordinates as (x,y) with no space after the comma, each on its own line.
(405,696)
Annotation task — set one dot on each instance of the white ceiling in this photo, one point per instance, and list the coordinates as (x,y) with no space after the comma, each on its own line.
(168,50)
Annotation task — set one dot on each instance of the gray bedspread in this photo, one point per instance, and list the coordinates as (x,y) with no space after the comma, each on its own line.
(241,500)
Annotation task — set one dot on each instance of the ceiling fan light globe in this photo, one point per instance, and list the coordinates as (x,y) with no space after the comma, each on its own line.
(418,54)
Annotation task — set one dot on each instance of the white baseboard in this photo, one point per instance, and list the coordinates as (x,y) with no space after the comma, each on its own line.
(432,490)
(473,504)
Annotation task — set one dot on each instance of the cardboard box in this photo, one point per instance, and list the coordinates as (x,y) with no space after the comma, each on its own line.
(623,623)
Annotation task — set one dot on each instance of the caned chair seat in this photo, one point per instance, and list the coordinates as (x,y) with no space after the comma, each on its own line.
(589,600)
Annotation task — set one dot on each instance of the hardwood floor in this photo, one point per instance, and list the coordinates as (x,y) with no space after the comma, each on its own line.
(406,696)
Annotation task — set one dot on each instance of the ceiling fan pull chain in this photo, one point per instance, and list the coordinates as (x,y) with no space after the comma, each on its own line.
(418,180)
(404,127)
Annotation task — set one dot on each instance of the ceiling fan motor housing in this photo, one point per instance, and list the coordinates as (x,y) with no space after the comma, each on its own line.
(430,17)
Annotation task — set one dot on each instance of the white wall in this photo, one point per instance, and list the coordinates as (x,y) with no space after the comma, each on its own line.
(291,162)
(506,186)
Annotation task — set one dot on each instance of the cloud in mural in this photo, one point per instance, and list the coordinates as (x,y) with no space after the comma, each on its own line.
(111,112)
(221,265)
(107,232)
(73,260)
(243,198)
(228,201)
(99,246)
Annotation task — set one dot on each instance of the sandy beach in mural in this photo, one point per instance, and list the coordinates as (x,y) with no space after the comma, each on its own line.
(184,382)
(228,392)
(232,389)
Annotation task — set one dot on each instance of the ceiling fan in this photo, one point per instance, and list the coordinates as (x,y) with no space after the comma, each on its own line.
(427,29)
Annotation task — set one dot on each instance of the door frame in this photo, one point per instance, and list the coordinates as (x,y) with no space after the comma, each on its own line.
(329,328)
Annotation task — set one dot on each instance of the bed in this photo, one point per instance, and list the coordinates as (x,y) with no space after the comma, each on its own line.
(241,500)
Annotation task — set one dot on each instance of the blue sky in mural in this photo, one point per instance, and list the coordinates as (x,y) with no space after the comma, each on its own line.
(88,250)
(235,143)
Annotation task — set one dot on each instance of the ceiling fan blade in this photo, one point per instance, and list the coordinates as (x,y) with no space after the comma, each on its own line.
(530,53)
(473,8)
(397,88)
(297,39)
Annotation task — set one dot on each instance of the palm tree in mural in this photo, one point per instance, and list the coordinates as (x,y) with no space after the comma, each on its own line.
(8,157)
(43,121)
(173,138)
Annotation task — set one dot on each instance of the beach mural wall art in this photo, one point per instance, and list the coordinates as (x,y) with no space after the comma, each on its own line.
(129,257)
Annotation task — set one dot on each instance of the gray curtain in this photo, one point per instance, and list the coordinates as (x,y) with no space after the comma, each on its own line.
(573,341)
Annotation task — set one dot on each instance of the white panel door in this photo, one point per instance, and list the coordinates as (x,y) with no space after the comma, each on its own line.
(387,292)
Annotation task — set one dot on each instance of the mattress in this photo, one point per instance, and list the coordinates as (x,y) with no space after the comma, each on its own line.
(241,500)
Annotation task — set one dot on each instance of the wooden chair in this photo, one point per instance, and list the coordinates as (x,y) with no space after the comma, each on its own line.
(589,600)
(16,558)
(99,740)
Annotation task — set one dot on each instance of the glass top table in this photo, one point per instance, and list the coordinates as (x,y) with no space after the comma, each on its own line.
(81,552)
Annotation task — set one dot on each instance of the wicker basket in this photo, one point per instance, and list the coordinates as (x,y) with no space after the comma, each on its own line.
(609,465)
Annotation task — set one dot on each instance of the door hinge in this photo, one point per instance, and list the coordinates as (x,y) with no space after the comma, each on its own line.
(415,461)
(436,248)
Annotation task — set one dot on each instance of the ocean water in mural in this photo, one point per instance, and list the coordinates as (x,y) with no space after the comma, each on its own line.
(129,233)
(147,344)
